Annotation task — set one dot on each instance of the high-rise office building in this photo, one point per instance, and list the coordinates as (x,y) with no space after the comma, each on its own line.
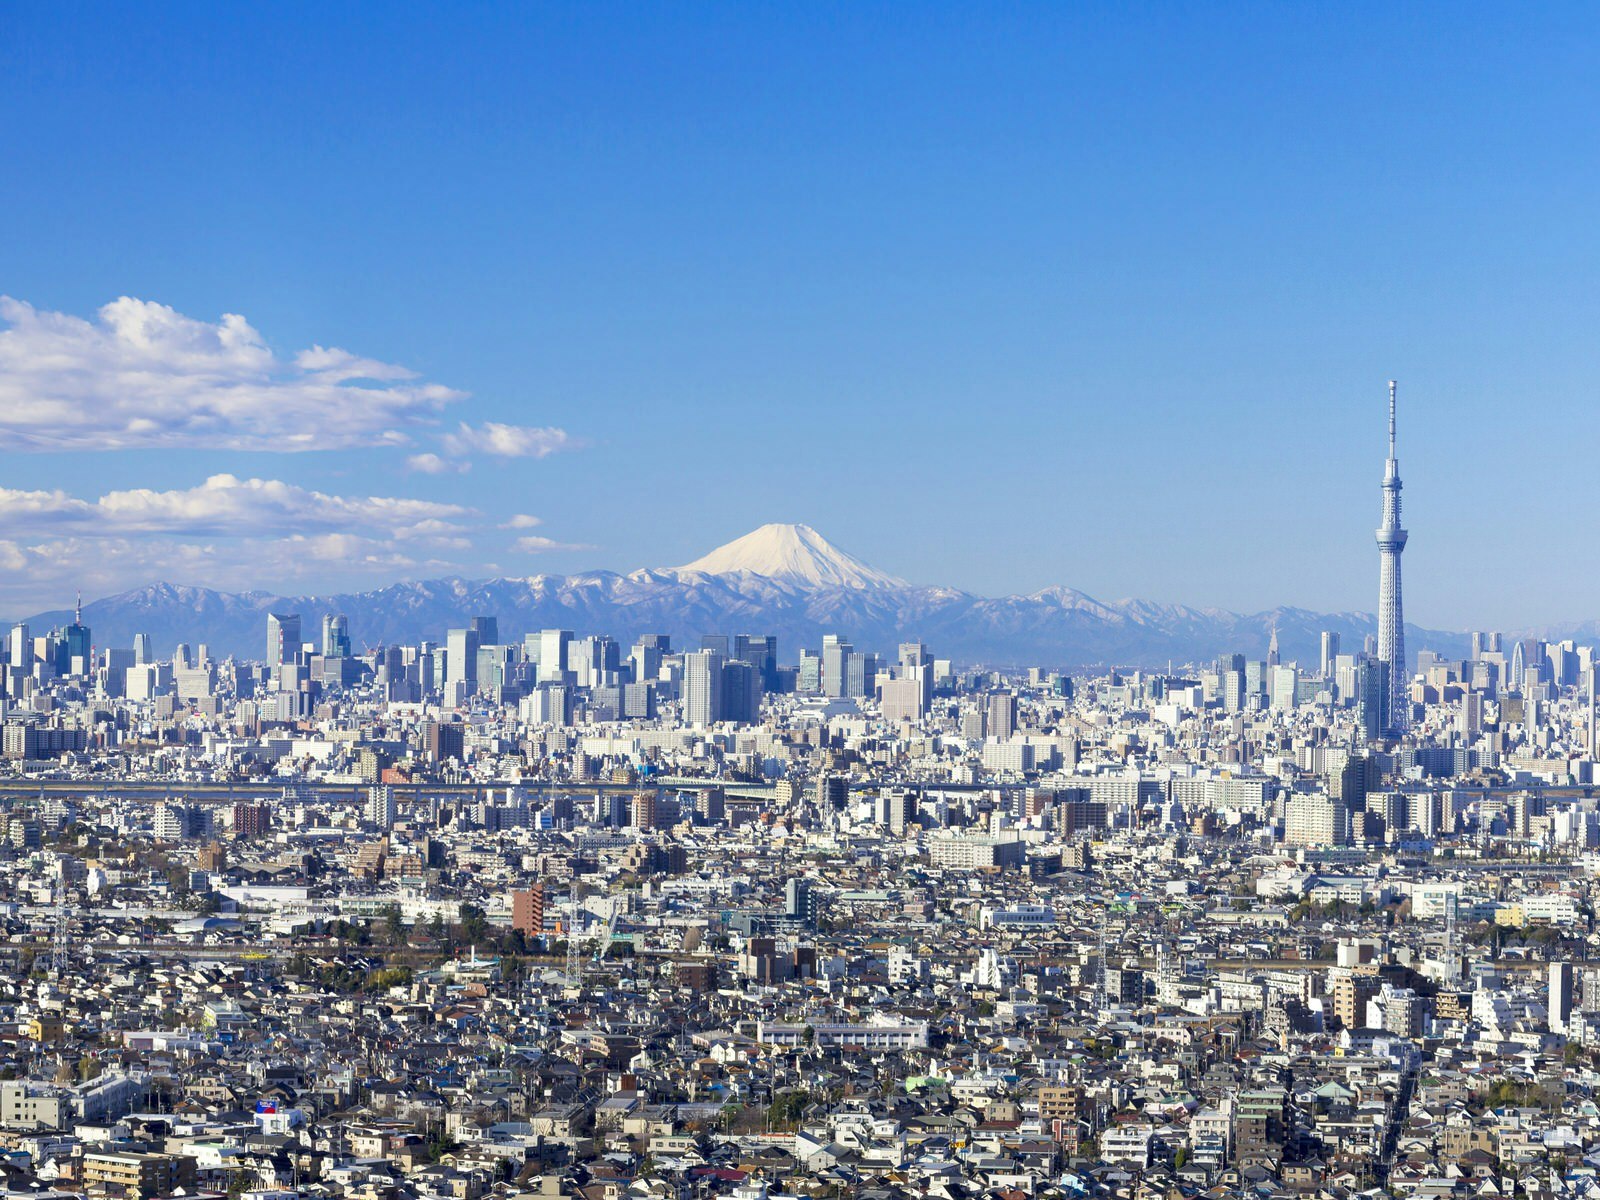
(645,660)
(1594,733)
(554,646)
(75,644)
(741,693)
(1283,684)
(143,649)
(1002,715)
(1231,682)
(1391,612)
(860,674)
(808,679)
(761,652)
(1372,698)
(1330,651)
(283,639)
(702,688)
(335,636)
(487,629)
(19,650)
(461,657)
(903,700)
(835,665)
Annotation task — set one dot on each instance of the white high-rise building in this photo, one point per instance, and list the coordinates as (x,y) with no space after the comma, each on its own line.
(381,810)
(283,639)
(554,648)
(19,651)
(461,657)
(702,688)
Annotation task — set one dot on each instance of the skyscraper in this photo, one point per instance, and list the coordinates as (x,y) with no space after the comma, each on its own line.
(702,688)
(461,657)
(835,662)
(283,639)
(19,651)
(761,652)
(1594,733)
(335,635)
(554,645)
(1373,697)
(1391,615)
(741,693)
(76,649)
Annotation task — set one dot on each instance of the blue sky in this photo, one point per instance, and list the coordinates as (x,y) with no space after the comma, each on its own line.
(993,296)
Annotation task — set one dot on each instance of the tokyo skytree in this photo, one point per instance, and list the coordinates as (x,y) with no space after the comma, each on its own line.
(1391,614)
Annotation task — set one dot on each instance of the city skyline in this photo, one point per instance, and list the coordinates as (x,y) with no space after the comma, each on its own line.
(776,602)
(928,290)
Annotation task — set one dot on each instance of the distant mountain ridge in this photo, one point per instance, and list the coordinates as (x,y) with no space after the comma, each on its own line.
(783,580)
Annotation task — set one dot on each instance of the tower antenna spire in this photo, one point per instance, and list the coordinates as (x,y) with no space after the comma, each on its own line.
(1391,418)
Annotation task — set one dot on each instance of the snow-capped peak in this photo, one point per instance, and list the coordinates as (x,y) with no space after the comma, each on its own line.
(795,554)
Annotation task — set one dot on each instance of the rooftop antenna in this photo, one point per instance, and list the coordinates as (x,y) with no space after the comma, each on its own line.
(77,609)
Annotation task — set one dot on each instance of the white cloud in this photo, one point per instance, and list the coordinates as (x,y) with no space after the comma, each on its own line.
(507,441)
(234,534)
(142,375)
(432,464)
(537,544)
(227,506)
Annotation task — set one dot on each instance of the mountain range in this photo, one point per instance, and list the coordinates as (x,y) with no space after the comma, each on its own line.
(786,580)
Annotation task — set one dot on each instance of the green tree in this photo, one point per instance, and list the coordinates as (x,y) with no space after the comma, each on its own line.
(786,1109)
(394,926)
(474,925)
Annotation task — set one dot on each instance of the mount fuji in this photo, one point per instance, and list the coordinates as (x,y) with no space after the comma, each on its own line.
(791,554)
(786,580)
